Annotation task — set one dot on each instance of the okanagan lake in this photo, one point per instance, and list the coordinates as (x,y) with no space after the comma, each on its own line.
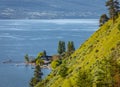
(20,37)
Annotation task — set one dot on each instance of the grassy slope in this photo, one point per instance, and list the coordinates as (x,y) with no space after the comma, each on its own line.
(97,47)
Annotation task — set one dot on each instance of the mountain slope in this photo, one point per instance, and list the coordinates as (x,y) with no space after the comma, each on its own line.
(21,9)
(96,63)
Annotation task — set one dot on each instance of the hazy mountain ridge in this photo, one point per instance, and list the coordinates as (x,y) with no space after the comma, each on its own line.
(48,9)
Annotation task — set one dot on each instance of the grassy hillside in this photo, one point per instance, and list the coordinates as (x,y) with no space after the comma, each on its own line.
(95,64)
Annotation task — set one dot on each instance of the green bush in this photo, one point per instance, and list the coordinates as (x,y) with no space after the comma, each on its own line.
(63,71)
(33,81)
(97,51)
(119,27)
(84,79)
(54,64)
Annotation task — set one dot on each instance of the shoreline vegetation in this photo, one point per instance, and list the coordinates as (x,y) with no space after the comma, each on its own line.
(42,60)
(46,61)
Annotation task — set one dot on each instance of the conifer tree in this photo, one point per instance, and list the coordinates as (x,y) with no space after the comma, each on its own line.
(26,58)
(37,76)
(84,79)
(44,53)
(61,47)
(70,46)
(104,18)
(63,71)
(113,7)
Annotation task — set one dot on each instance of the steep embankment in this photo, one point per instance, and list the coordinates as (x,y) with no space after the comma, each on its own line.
(95,63)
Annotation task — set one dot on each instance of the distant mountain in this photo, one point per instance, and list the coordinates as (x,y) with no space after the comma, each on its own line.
(51,9)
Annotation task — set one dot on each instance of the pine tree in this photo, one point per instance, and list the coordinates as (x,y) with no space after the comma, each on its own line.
(63,71)
(113,7)
(70,46)
(26,58)
(37,76)
(117,6)
(102,74)
(61,47)
(44,53)
(84,79)
(104,18)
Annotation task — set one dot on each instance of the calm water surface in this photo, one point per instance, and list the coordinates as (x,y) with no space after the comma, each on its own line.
(18,37)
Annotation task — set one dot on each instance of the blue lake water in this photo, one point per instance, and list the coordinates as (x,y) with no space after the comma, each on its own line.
(17,76)
(18,37)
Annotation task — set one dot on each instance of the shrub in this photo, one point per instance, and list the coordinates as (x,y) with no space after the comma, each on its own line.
(97,51)
(54,64)
(112,49)
(63,71)
(118,27)
(97,40)
(103,19)
(118,44)
(26,58)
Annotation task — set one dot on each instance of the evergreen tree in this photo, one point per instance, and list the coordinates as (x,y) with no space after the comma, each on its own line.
(84,79)
(61,47)
(44,53)
(63,71)
(70,46)
(113,7)
(117,6)
(37,76)
(104,18)
(26,58)
(102,74)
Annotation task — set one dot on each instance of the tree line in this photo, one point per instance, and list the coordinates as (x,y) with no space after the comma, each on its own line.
(62,47)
